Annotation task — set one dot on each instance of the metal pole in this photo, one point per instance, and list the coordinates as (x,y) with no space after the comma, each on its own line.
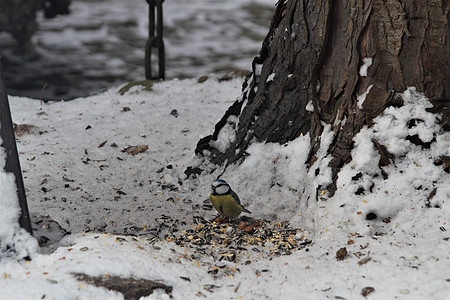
(159,32)
(12,158)
(155,41)
(149,44)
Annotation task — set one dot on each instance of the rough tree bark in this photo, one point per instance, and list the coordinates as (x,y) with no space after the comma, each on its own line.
(312,54)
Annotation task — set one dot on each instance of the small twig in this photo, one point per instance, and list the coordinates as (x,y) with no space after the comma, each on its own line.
(42,91)
(237,288)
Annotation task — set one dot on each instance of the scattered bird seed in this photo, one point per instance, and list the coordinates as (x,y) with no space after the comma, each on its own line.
(226,242)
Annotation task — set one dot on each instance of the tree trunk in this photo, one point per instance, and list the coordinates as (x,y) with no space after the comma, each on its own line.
(318,61)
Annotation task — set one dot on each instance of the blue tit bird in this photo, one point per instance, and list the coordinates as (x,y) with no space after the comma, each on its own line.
(225,200)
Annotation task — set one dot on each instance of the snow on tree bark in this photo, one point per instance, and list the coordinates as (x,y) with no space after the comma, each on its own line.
(312,55)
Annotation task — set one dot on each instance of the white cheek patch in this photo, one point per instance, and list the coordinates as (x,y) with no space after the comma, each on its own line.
(222,189)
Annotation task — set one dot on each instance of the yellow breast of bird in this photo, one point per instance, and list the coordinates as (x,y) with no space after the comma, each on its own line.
(226,205)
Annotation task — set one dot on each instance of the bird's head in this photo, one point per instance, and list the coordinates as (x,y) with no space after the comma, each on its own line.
(220,187)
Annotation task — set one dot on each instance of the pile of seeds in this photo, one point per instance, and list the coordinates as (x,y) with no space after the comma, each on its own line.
(231,240)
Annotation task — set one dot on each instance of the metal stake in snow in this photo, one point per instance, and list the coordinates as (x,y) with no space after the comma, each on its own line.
(12,158)
(155,41)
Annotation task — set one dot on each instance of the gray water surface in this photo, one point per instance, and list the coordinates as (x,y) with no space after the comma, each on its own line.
(101,44)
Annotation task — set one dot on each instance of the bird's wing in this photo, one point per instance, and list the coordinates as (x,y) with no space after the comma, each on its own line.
(235,196)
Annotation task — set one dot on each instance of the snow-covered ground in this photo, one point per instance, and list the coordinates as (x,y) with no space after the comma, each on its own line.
(123,206)
(78,172)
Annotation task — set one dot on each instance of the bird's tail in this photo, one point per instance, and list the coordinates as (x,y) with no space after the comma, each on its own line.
(246,210)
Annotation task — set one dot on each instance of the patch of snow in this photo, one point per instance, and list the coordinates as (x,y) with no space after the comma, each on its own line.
(343,121)
(227,135)
(367,62)
(361,98)
(15,242)
(323,178)
(309,106)
(271,77)
(404,192)
(281,169)
(258,69)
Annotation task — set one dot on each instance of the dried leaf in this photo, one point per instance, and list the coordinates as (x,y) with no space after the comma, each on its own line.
(364,261)
(367,290)
(133,150)
(341,254)
(21,129)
